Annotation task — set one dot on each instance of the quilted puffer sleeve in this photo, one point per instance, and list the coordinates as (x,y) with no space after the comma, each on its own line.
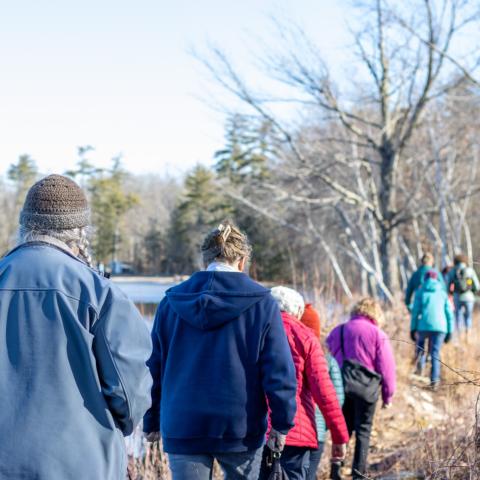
(337,380)
(278,372)
(323,392)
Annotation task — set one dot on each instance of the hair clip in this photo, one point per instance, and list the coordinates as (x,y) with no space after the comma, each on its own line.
(225,230)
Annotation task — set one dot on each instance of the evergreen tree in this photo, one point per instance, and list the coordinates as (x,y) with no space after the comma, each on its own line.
(23,174)
(85,169)
(154,249)
(247,151)
(200,209)
(244,163)
(109,203)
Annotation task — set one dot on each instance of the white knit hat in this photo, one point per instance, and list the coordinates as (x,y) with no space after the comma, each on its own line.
(289,300)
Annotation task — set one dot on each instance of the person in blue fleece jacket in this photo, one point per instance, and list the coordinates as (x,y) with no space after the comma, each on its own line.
(220,353)
(74,348)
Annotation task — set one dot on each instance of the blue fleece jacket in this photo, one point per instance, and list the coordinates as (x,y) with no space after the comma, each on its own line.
(219,352)
(73,374)
(416,281)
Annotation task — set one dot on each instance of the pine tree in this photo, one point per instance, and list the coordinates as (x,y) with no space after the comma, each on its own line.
(201,208)
(109,204)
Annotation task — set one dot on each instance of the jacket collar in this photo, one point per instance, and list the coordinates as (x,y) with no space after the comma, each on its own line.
(60,246)
(362,317)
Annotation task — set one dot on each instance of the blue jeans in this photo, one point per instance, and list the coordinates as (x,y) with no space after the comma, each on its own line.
(315,457)
(463,314)
(295,463)
(435,342)
(235,466)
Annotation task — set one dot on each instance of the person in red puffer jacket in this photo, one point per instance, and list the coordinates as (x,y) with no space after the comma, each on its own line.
(314,386)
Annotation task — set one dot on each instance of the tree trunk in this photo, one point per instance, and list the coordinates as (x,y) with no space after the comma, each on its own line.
(387,203)
(389,257)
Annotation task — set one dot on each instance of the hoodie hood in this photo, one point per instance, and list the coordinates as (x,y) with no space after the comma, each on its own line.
(432,285)
(208,300)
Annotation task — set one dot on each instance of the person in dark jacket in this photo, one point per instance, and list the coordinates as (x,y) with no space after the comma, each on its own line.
(220,353)
(416,280)
(73,376)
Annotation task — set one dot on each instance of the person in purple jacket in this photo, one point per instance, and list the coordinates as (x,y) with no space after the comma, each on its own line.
(366,343)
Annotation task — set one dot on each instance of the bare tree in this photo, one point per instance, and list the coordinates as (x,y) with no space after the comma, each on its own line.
(357,151)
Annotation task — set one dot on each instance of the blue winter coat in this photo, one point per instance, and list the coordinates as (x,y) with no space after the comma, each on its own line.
(337,380)
(73,376)
(432,311)
(416,281)
(219,351)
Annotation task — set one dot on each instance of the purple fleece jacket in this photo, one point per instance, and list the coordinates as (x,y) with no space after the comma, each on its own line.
(366,343)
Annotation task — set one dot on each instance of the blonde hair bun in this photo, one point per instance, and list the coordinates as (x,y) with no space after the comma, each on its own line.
(226,243)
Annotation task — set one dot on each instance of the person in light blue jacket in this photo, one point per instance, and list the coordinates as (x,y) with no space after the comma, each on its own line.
(432,319)
(73,374)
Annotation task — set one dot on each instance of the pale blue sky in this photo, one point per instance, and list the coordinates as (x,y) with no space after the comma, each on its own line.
(118,74)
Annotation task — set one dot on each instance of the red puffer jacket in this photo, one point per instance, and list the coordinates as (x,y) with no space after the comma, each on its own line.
(313,386)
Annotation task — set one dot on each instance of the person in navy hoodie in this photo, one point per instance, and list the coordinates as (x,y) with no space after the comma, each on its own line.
(220,353)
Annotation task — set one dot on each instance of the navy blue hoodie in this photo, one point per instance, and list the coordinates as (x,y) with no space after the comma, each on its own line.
(219,352)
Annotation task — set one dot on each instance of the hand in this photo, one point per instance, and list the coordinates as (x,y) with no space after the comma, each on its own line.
(339,452)
(386,406)
(276,441)
(413,335)
(152,436)
(448,337)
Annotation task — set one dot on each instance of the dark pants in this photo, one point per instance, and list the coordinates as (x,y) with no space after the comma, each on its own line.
(315,457)
(359,417)
(295,462)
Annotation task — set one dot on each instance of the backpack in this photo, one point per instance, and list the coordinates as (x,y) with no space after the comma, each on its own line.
(463,282)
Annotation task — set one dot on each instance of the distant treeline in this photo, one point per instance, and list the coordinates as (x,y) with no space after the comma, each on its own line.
(344,192)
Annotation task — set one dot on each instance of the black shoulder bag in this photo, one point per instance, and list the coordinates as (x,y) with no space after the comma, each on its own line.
(358,380)
(275,467)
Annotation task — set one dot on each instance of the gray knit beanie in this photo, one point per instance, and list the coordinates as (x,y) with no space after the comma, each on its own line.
(55,203)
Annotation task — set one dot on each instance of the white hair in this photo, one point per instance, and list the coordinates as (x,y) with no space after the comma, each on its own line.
(289,300)
(73,239)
